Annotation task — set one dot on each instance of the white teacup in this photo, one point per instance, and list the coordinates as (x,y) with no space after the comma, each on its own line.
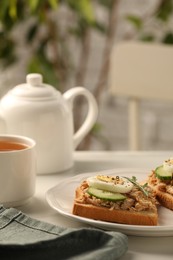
(17,169)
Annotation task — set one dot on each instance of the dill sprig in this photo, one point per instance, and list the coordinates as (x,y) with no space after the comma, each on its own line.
(141,187)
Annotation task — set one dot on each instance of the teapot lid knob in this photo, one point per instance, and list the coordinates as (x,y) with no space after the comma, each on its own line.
(34,79)
(35,89)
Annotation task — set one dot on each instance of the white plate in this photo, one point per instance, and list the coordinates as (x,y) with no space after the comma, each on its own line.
(61,199)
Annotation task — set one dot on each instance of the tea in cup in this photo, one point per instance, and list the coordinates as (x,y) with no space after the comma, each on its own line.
(17,169)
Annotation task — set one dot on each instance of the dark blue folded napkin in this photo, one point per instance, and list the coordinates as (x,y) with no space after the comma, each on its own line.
(22,237)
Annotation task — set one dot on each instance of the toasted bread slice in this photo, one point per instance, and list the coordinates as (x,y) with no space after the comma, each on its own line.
(131,217)
(160,188)
(165,199)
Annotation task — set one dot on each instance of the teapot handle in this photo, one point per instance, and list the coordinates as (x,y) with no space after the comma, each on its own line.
(92,112)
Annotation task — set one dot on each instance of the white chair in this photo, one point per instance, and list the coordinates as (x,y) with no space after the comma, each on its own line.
(141,71)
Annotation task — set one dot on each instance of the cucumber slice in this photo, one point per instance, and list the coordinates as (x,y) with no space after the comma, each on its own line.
(162,174)
(105,195)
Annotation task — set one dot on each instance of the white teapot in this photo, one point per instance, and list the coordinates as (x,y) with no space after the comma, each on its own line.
(42,113)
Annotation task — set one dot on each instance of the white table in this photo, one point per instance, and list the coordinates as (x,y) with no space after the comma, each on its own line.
(139,247)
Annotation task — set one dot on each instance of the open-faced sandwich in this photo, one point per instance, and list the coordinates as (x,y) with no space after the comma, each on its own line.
(116,199)
(161,181)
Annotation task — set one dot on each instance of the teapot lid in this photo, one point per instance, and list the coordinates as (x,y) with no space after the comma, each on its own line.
(35,88)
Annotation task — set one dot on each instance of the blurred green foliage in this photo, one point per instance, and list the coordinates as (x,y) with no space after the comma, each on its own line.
(44,34)
(43,16)
(162,15)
